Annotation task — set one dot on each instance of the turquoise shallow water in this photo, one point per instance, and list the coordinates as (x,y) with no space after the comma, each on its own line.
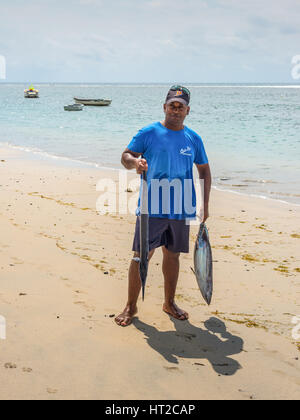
(251,133)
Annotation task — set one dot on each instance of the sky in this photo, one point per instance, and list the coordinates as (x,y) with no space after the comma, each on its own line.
(149,41)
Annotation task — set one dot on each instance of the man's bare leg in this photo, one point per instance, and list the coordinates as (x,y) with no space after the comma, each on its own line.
(171,273)
(134,289)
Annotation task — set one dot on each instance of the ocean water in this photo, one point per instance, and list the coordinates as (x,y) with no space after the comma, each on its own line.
(251,133)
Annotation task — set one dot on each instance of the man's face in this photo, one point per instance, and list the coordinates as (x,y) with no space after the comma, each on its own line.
(176,112)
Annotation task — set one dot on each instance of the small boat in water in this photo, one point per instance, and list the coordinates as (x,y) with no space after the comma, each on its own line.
(73,107)
(31,92)
(93,102)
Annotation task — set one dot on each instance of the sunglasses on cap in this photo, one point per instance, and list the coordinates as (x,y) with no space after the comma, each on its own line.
(182,88)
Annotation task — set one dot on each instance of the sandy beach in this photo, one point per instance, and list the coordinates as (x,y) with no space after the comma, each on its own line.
(63,272)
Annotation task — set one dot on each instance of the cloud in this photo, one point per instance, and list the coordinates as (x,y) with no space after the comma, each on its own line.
(149,40)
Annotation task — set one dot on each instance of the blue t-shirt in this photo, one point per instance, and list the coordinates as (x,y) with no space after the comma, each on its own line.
(170,155)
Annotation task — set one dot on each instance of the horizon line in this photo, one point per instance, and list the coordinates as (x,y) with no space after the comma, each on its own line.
(154,83)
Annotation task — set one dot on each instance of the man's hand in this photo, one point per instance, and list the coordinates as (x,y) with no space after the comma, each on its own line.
(130,160)
(205,214)
(141,166)
(205,175)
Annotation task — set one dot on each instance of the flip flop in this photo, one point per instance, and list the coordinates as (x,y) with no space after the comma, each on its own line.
(186,317)
(125,317)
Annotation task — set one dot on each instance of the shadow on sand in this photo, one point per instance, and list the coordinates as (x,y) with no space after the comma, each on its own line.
(190,342)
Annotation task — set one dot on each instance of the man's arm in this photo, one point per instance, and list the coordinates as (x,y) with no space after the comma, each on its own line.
(205,174)
(130,160)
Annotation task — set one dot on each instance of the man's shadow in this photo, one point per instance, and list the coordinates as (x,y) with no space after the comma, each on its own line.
(214,343)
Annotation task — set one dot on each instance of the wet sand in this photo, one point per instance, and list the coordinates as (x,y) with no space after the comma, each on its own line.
(63,271)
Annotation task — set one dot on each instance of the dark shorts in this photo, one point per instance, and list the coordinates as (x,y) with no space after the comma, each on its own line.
(173,234)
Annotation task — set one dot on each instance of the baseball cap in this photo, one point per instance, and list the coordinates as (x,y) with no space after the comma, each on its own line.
(180,94)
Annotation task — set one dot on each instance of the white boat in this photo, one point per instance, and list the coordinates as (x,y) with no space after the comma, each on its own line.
(73,107)
(31,92)
(93,102)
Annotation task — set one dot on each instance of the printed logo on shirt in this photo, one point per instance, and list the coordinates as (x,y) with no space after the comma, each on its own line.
(185,152)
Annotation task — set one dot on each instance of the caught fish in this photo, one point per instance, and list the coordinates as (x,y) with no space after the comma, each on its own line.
(144,233)
(203,264)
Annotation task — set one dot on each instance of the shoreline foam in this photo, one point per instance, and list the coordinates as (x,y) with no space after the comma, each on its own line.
(93,165)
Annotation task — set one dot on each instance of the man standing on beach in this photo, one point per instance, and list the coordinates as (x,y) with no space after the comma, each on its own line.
(168,151)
